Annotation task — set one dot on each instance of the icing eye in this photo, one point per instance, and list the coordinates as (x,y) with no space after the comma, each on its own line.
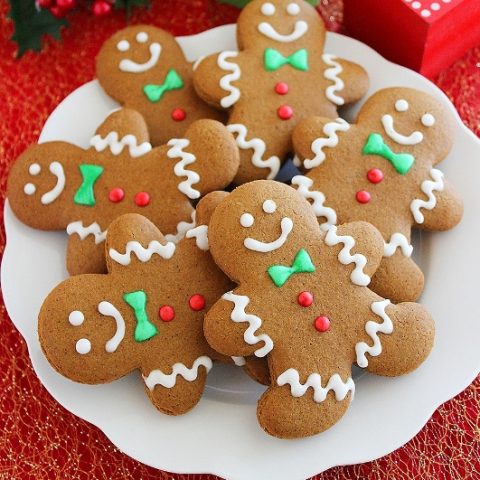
(76,318)
(269,206)
(29,189)
(247,220)
(293,9)
(83,346)
(123,45)
(268,9)
(401,105)
(34,169)
(428,120)
(142,37)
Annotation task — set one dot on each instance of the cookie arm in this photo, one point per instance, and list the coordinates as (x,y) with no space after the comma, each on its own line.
(355,81)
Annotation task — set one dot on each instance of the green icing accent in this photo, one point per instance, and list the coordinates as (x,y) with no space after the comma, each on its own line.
(375,145)
(273,60)
(302,264)
(172,81)
(85,194)
(144,329)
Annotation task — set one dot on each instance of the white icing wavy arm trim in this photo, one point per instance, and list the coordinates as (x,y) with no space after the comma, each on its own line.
(345,257)
(116,146)
(373,329)
(332,74)
(330,129)
(83,232)
(200,234)
(176,150)
(182,228)
(157,377)
(143,254)
(314,381)
(397,240)
(317,198)
(258,146)
(428,188)
(239,315)
(226,80)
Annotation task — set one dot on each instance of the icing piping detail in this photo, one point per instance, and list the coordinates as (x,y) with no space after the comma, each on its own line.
(50,196)
(127,65)
(256,245)
(332,75)
(397,240)
(143,254)
(239,361)
(200,234)
(414,138)
(182,228)
(226,80)
(428,187)
(301,27)
(117,145)
(107,309)
(83,232)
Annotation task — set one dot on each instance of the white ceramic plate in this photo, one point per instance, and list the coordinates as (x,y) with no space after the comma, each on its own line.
(221,434)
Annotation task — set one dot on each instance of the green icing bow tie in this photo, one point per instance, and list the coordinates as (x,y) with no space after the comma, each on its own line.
(402,162)
(172,81)
(302,264)
(273,60)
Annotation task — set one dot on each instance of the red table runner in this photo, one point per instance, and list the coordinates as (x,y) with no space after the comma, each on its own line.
(41,440)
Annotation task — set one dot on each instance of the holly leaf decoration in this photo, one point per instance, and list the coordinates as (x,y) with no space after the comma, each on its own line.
(32,24)
(242,3)
(129,4)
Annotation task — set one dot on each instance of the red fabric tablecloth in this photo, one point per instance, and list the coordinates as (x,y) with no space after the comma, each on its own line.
(38,438)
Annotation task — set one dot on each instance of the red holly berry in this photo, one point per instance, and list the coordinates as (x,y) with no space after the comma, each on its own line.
(66,4)
(57,12)
(101,8)
(44,3)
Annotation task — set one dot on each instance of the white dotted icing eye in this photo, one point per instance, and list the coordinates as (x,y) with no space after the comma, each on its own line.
(247,220)
(83,346)
(142,37)
(428,120)
(29,189)
(76,318)
(401,105)
(293,9)
(123,45)
(268,9)
(34,169)
(269,206)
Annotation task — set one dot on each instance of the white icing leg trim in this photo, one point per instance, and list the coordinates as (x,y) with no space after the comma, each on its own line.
(330,141)
(345,257)
(142,253)
(258,146)
(314,381)
(83,232)
(303,185)
(226,80)
(428,187)
(373,329)
(239,361)
(239,315)
(176,151)
(50,196)
(107,309)
(117,146)
(200,234)
(157,377)
(332,75)
(397,240)
(182,228)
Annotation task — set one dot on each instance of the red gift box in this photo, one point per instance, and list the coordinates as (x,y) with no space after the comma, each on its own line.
(425,35)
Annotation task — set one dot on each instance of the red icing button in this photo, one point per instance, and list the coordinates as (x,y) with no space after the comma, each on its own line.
(179,114)
(116,195)
(166,313)
(363,196)
(285,112)
(142,199)
(322,323)
(197,302)
(305,299)
(375,175)
(281,88)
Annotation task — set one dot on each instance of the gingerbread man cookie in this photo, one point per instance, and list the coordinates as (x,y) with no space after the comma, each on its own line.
(302,301)
(381,170)
(144,68)
(57,185)
(97,328)
(279,76)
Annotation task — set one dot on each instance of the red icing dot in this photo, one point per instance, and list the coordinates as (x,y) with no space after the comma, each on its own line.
(322,323)
(142,199)
(281,88)
(197,302)
(116,195)
(166,313)
(375,175)
(179,114)
(285,112)
(363,196)
(305,299)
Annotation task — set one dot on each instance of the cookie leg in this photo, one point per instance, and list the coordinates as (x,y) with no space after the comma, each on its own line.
(85,256)
(257,369)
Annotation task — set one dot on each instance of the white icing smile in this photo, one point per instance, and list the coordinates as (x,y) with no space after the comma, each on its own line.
(301,27)
(414,138)
(128,65)
(50,196)
(286,225)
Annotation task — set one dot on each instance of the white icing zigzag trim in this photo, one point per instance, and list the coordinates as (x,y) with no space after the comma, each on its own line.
(176,151)
(226,80)
(345,257)
(200,234)
(239,315)
(117,146)
(258,146)
(331,141)
(428,187)
(372,329)
(314,381)
(318,198)
(142,253)
(157,377)
(332,75)
(83,232)
(182,228)
(397,240)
